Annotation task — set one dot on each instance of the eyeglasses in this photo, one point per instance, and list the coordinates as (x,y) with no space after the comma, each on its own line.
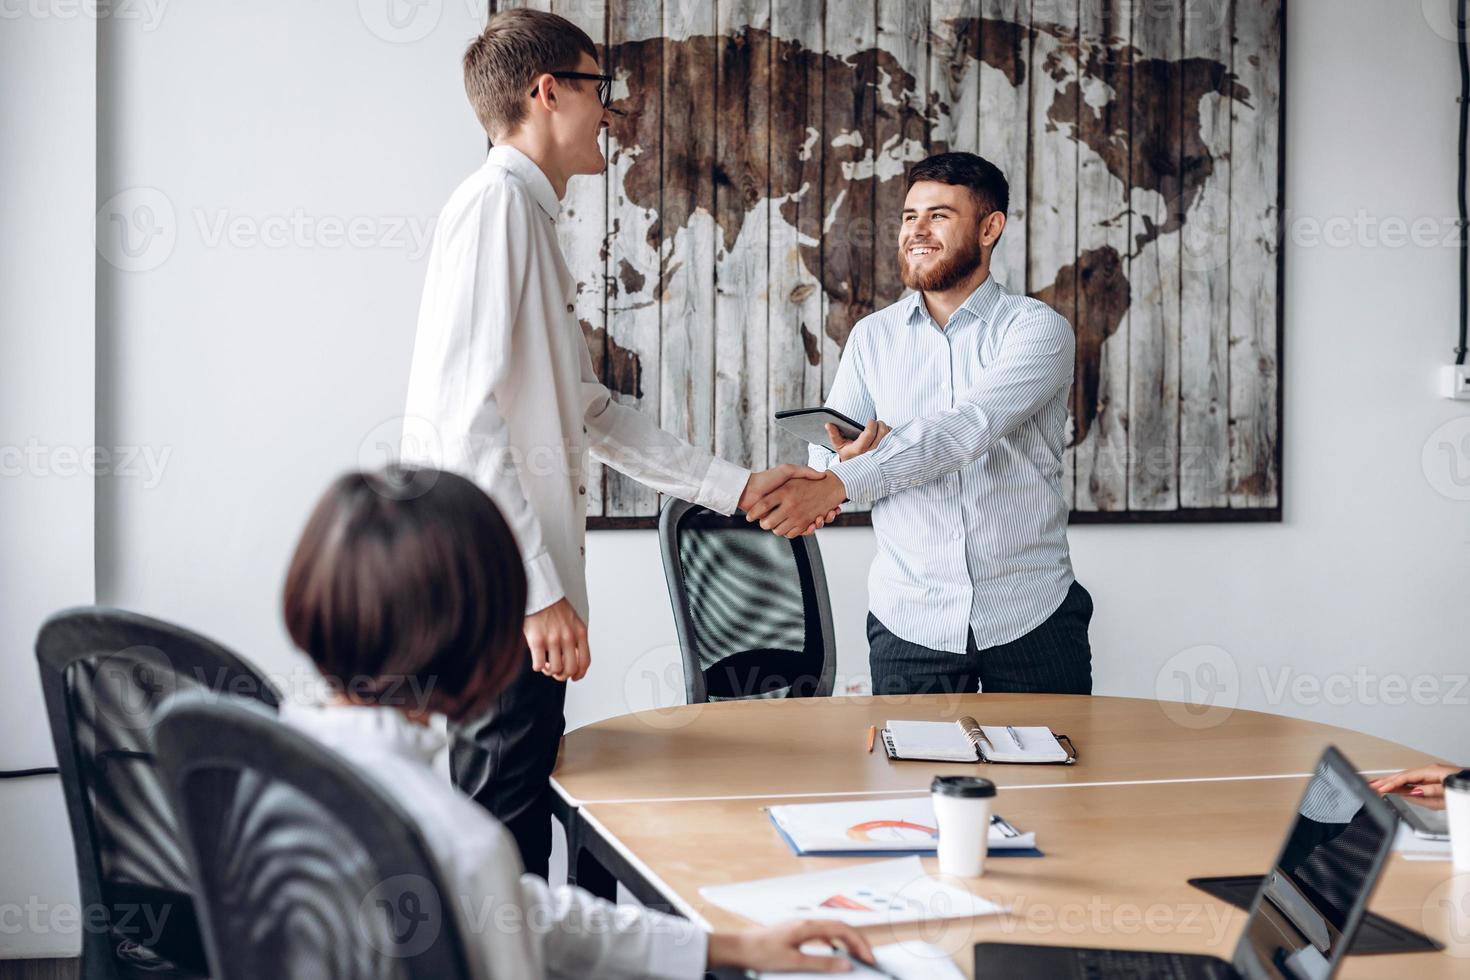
(604,86)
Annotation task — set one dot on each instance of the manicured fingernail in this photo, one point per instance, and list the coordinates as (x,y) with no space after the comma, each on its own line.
(1416,791)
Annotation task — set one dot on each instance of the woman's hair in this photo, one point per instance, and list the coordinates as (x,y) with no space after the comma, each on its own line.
(407,591)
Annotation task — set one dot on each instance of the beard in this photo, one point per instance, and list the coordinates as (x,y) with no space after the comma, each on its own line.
(951,268)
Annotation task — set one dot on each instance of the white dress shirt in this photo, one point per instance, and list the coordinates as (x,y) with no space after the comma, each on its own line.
(966,490)
(514,926)
(502,388)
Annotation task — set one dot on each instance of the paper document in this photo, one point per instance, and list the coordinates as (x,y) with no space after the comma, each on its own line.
(1416,848)
(901,824)
(860,895)
(909,960)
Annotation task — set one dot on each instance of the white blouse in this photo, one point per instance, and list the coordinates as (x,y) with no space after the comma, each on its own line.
(514,926)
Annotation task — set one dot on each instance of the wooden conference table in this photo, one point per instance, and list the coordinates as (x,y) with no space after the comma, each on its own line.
(670,800)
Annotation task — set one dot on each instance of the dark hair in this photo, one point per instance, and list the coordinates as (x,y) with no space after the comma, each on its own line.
(982,177)
(407,590)
(516,46)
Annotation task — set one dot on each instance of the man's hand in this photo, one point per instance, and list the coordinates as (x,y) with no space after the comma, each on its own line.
(799,506)
(869,438)
(765,481)
(558,641)
(778,948)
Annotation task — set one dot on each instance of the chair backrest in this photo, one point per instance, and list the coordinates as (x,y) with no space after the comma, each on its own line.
(306,868)
(751,609)
(103,672)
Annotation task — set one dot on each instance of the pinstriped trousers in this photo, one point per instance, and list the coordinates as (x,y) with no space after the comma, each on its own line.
(1054,658)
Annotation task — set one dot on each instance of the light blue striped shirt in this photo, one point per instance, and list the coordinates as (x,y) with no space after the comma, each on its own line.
(966,490)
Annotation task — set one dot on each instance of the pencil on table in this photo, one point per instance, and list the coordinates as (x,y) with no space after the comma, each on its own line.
(872,736)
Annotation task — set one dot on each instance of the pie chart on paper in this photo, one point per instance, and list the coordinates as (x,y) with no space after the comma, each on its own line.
(892,831)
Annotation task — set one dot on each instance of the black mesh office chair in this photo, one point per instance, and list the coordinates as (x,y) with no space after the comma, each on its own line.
(305,867)
(103,671)
(751,609)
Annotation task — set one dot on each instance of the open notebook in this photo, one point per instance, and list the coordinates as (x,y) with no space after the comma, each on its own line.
(968,741)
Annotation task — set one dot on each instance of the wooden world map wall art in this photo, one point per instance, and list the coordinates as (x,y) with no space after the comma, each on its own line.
(749,212)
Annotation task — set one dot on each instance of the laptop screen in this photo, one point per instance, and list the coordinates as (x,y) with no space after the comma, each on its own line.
(1310,903)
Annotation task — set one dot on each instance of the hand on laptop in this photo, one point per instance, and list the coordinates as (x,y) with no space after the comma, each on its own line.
(869,438)
(1426,782)
(779,948)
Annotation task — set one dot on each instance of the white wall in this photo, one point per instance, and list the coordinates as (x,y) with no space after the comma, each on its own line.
(47,170)
(254,372)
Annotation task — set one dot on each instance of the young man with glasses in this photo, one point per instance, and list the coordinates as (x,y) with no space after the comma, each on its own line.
(502,374)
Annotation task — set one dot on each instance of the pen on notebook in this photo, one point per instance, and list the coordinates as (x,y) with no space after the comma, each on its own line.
(872,736)
(1015,738)
(1006,829)
(872,967)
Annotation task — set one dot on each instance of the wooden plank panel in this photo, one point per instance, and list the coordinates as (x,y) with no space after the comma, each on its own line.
(1204,366)
(582,231)
(687,365)
(742,245)
(1051,230)
(848,119)
(634,203)
(1153,267)
(954,74)
(1004,118)
(1100,384)
(900,131)
(794,297)
(1254,254)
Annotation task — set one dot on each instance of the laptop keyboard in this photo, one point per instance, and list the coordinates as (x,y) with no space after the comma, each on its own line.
(1122,964)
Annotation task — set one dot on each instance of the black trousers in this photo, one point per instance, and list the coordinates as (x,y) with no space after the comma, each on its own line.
(1054,658)
(504,760)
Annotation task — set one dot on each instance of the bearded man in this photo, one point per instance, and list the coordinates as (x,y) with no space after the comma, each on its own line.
(972,587)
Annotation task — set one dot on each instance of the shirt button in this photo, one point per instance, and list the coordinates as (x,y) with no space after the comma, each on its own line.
(583,550)
(582,490)
(956,535)
(570,307)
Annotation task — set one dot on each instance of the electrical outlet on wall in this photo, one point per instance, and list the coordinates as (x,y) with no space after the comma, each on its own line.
(1455,382)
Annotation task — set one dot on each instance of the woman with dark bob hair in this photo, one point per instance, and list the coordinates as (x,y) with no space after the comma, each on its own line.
(407,592)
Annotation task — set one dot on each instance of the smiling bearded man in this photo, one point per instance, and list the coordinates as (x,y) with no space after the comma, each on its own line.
(972,586)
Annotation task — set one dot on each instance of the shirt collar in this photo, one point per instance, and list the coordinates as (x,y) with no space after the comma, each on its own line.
(509,158)
(981,304)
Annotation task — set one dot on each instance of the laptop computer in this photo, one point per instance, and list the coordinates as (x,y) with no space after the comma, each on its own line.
(1303,917)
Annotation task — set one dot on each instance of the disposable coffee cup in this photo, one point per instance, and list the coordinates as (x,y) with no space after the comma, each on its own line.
(1457,810)
(962,807)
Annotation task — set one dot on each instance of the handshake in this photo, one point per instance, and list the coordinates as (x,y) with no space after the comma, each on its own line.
(791,500)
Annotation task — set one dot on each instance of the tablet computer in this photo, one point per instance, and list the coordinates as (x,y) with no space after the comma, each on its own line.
(1425,822)
(810,425)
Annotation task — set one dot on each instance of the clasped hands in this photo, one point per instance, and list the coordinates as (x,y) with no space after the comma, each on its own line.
(791,501)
